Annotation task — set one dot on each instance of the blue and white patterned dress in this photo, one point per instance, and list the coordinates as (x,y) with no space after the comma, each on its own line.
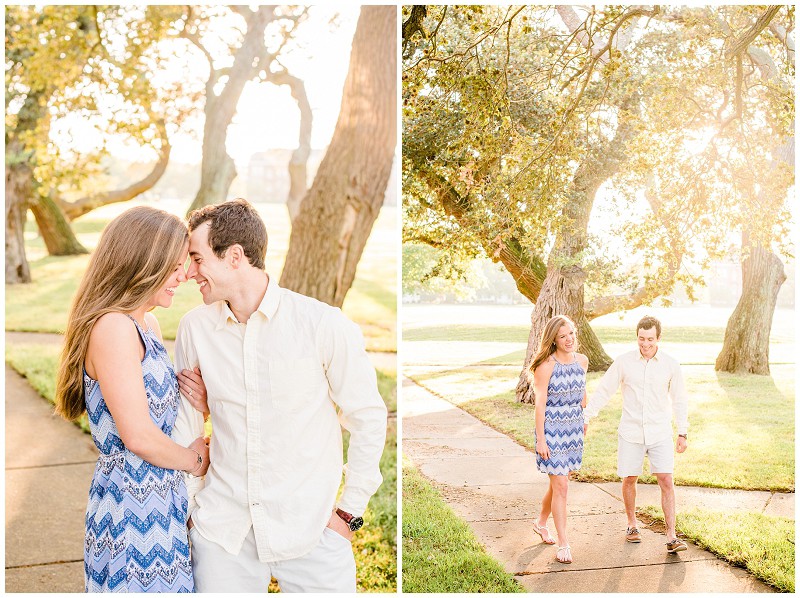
(563,419)
(136,537)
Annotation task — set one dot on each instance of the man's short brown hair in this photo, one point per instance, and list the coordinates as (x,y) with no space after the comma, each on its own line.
(648,322)
(234,222)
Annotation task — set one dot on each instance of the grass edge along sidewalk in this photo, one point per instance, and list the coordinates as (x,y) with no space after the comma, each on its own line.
(761,544)
(440,552)
(375,545)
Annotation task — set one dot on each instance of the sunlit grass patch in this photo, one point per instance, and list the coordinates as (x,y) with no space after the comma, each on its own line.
(762,544)
(440,552)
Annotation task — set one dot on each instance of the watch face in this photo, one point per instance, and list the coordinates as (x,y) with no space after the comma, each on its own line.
(356,523)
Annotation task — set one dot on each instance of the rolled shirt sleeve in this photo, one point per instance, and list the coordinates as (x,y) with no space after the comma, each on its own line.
(189,423)
(362,412)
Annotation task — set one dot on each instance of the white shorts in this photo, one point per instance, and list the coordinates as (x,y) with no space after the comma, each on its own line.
(329,567)
(630,457)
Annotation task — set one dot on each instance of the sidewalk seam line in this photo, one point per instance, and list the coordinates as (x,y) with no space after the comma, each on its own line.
(43,564)
(700,560)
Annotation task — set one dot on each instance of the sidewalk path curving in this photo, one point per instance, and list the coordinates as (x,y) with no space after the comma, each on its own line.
(492,483)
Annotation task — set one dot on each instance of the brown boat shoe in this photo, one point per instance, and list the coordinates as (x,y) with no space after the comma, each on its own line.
(632,535)
(676,545)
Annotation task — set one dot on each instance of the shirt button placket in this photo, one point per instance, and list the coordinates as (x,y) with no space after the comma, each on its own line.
(250,355)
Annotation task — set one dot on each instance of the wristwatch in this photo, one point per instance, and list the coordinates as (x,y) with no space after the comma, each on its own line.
(354,523)
(682,436)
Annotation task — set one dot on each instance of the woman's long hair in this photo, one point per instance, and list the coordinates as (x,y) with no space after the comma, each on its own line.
(135,257)
(547,346)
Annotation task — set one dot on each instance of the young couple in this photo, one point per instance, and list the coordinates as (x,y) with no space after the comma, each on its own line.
(278,373)
(652,389)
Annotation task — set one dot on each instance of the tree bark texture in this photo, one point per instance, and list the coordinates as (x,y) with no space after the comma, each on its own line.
(217,169)
(746,345)
(336,217)
(54,227)
(18,182)
(563,289)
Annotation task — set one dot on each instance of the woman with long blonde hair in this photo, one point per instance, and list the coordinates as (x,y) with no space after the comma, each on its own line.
(559,378)
(114,367)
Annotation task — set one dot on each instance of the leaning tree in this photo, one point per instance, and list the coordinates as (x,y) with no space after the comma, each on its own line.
(336,217)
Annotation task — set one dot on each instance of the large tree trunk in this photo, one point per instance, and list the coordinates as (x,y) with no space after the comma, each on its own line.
(55,228)
(18,182)
(217,169)
(336,217)
(746,344)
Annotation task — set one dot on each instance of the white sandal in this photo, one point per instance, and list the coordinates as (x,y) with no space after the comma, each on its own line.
(567,556)
(542,530)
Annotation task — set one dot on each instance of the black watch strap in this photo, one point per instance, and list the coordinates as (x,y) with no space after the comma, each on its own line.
(354,523)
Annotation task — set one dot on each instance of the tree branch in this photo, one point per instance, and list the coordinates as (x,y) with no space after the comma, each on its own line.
(74,209)
(739,46)
(298,175)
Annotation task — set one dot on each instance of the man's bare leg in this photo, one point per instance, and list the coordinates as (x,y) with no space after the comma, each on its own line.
(629,498)
(667,502)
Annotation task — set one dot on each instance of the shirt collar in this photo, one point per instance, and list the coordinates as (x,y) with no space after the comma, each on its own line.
(654,357)
(268,305)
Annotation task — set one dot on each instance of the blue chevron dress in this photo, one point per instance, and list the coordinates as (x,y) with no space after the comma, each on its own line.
(136,517)
(563,420)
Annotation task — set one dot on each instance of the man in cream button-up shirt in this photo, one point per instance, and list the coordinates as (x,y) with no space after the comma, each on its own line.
(284,373)
(652,392)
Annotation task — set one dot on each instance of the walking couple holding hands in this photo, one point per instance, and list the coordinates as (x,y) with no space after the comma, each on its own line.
(652,392)
(278,373)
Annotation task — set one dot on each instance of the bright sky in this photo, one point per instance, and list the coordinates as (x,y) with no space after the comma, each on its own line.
(267,116)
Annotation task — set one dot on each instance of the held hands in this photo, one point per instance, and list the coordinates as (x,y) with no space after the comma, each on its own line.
(194,389)
(338,525)
(200,445)
(542,449)
(681,444)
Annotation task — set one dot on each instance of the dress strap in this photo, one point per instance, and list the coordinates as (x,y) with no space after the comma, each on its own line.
(142,333)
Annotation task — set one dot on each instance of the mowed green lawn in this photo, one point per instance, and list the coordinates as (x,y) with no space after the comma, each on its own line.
(42,306)
(440,552)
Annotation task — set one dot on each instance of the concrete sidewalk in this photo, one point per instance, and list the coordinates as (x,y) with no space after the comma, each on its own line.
(49,466)
(492,483)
